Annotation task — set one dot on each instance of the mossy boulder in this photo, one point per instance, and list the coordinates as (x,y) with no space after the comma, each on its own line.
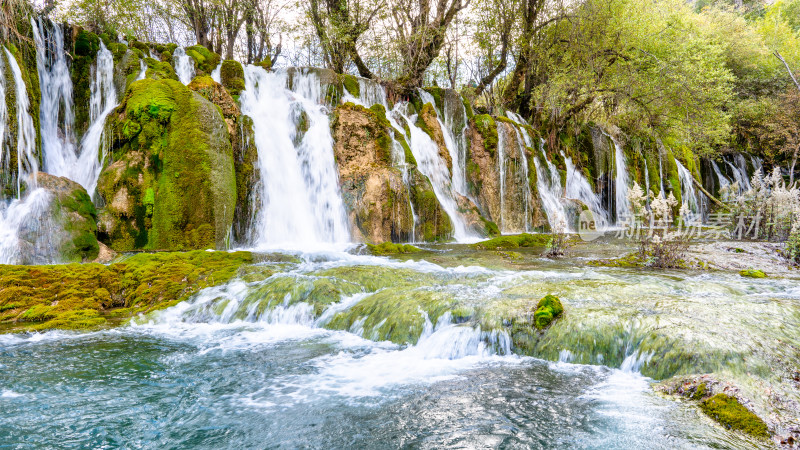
(172,184)
(232,76)
(159,70)
(205,60)
(390,248)
(216,94)
(80,296)
(752,273)
(351,85)
(548,308)
(514,241)
(733,415)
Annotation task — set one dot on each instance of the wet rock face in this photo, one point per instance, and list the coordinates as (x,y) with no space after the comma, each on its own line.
(172,184)
(62,226)
(484,177)
(376,197)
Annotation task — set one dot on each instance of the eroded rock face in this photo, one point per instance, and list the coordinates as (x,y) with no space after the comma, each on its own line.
(171,185)
(376,197)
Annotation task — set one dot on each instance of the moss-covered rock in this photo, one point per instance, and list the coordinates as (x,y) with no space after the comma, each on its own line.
(80,296)
(172,183)
(84,55)
(548,308)
(72,209)
(752,273)
(205,60)
(515,241)
(390,248)
(159,70)
(232,76)
(729,412)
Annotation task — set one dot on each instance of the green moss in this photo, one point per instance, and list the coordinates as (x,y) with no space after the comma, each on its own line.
(490,227)
(516,241)
(700,392)
(487,128)
(175,143)
(205,60)
(351,84)
(752,273)
(438,95)
(232,76)
(733,415)
(76,296)
(390,248)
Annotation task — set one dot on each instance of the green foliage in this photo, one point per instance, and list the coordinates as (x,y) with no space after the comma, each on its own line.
(351,84)
(232,76)
(729,412)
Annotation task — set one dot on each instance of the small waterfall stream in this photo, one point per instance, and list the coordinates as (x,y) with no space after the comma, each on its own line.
(184,65)
(578,188)
(548,182)
(56,116)
(622,206)
(301,200)
(501,172)
(454,137)
(688,193)
(102,103)
(27,161)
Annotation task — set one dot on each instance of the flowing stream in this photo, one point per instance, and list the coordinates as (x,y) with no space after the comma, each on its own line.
(303,358)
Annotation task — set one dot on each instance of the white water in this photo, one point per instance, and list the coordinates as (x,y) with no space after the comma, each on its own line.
(621,183)
(455,139)
(103,101)
(548,182)
(56,118)
(142,70)
(5,152)
(184,65)
(526,186)
(739,170)
(578,188)
(430,164)
(26,215)
(27,162)
(216,74)
(689,195)
(501,172)
(301,204)
(722,179)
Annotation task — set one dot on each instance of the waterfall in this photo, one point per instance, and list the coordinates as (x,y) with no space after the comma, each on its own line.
(661,175)
(646,183)
(688,192)
(216,74)
(526,186)
(430,164)
(501,172)
(103,101)
(142,70)
(455,140)
(578,188)
(5,152)
(548,182)
(27,162)
(722,179)
(301,203)
(739,171)
(56,118)
(621,183)
(184,65)
(26,217)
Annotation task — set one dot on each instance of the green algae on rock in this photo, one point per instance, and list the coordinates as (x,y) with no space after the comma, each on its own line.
(548,308)
(752,273)
(390,248)
(729,412)
(513,241)
(172,184)
(79,296)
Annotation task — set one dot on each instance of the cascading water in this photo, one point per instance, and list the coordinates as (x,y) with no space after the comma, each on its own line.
(184,65)
(548,182)
(103,101)
(27,161)
(501,172)
(739,170)
(430,164)
(578,188)
(301,203)
(688,192)
(723,181)
(622,206)
(216,74)
(5,152)
(142,70)
(526,186)
(56,118)
(450,116)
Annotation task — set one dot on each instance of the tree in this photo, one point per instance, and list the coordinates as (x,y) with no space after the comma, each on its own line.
(420,34)
(339,24)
